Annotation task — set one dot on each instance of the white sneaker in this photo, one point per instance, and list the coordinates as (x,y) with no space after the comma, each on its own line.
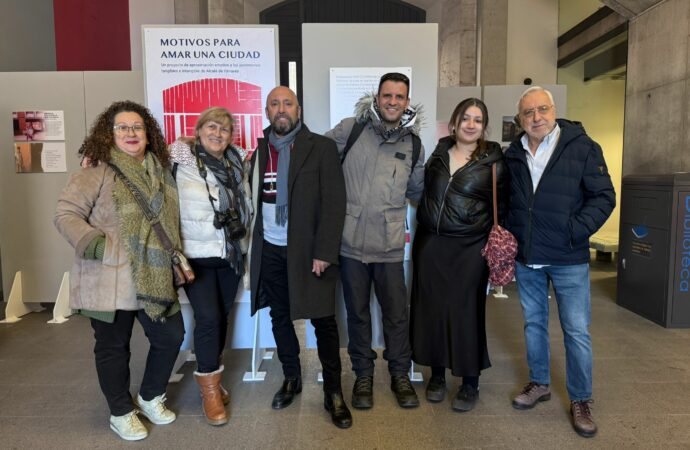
(128,427)
(155,410)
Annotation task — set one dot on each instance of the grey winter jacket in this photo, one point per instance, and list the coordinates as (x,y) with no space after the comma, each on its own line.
(378,177)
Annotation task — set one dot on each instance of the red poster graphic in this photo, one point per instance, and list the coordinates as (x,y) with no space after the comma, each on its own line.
(183,103)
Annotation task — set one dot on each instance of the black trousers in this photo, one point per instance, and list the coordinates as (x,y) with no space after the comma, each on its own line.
(389,286)
(211,295)
(274,286)
(112,353)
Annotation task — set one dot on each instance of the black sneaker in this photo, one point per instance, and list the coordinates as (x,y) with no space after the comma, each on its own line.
(363,393)
(436,389)
(465,399)
(404,392)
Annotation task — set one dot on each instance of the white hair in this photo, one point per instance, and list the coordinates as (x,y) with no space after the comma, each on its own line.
(532,89)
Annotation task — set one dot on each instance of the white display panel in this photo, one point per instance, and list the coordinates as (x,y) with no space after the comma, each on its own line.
(349,84)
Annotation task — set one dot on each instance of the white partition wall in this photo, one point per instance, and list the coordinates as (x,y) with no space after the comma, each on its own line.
(28,239)
(326,45)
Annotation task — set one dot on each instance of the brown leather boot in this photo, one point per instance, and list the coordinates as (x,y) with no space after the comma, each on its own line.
(211,396)
(224,394)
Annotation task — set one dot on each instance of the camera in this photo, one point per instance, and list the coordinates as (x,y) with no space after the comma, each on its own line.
(230,221)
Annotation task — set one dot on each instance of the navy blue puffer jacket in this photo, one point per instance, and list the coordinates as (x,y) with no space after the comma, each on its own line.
(572,201)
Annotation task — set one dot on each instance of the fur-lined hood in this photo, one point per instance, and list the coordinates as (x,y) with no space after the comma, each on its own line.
(412,119)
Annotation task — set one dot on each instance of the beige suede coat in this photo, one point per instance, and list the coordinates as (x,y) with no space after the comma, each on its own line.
(86,209)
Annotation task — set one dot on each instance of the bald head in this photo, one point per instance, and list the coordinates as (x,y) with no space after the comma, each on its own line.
(282,110)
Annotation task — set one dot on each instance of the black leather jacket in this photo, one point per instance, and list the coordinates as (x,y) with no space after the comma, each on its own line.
(461,205)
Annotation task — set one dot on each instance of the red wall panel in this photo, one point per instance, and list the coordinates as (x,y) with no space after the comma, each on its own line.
(92,34)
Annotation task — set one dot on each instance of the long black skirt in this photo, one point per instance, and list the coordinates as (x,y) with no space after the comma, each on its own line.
(448,305)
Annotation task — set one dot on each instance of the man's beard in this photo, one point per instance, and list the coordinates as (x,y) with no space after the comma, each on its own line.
(283,128)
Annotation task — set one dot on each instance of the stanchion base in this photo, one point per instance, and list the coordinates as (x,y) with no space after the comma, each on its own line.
(12,319)
(58,320)
(176,378)
(258,376)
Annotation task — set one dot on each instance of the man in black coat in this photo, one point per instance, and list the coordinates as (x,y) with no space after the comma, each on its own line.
(561,193)
(298,193)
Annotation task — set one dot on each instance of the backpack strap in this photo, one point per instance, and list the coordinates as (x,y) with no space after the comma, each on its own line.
(174,171)
(416,149)
(352,138)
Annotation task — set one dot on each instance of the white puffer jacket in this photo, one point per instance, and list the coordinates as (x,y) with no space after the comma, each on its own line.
(200,239)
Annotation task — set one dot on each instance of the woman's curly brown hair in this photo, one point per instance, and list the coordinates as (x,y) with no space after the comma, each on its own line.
(100,140)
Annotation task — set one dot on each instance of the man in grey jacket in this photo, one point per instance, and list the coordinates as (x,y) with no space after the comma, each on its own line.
(383,163)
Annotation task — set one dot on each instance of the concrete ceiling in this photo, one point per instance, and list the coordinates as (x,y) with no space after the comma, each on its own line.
(630,8)
(260,5)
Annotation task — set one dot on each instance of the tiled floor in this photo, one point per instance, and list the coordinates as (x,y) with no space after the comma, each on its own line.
(49,396)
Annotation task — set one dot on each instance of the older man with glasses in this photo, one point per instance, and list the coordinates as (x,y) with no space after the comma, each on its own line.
(561,193)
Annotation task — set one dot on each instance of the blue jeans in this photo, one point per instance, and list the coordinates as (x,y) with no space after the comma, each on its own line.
(571,285)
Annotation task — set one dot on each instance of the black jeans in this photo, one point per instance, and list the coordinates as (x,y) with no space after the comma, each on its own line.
(112,356)
(389,286)
(211,295)
(274,286)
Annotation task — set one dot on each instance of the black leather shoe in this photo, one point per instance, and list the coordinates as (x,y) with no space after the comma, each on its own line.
(286,394)
(436,389)
(404,392)
(335,404)
(363,393)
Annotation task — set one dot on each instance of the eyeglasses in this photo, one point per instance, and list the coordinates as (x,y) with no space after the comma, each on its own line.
(122,128)
(213,127)
(529,113)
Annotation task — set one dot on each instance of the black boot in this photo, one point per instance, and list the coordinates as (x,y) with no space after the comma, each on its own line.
(335,404)
(363,393)
(286,394)
(404,392)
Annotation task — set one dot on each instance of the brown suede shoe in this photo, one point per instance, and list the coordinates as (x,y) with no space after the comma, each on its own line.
(583,423)
(531,394)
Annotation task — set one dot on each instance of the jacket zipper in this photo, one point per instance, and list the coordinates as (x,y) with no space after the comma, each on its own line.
(450,180)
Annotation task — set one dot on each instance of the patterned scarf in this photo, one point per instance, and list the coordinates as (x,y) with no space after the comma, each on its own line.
(150,263)
(283,143)
(232,197)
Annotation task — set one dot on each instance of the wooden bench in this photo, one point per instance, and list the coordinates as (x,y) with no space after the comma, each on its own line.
(606,244)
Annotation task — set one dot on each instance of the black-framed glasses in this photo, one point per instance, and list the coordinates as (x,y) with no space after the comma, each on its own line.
(122,128)
(529,113)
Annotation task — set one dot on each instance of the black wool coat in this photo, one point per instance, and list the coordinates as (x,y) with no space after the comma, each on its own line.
(316,214)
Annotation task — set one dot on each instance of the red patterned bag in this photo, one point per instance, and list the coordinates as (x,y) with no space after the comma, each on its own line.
(501,248)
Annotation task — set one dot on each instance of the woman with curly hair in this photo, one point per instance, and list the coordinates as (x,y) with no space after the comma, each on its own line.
(215,210)
(121,271)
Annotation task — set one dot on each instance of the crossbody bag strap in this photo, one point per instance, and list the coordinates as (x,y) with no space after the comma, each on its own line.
(155,223)
(493,188)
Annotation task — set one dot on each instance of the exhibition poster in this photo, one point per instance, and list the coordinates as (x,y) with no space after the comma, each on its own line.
(38,125)
(37,157)
(188,69)
(349,84)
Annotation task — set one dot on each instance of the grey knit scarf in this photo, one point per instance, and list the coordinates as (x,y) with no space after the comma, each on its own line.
(282,145)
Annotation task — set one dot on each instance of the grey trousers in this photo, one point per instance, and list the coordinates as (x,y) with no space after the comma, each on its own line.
(389,286)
